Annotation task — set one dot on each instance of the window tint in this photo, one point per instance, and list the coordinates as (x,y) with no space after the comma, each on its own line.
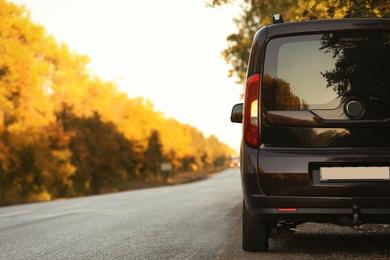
(317,71)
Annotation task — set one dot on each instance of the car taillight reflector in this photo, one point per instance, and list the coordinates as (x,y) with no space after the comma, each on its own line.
(287,209)
(251,114)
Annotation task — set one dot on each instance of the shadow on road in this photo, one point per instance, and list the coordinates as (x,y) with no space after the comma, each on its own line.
(316,241)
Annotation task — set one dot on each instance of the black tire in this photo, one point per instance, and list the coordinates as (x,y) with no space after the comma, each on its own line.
(255,234)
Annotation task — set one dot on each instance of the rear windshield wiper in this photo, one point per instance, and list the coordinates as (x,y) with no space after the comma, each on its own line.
(378,99)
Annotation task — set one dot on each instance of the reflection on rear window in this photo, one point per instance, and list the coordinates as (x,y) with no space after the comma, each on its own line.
(316,71)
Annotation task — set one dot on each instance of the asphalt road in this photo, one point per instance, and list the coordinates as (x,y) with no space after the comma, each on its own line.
(201,220)
(190,221)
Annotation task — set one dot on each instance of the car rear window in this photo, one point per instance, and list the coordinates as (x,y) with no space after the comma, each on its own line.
(317,71)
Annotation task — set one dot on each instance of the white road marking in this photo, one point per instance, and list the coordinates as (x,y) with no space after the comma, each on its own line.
(14,213)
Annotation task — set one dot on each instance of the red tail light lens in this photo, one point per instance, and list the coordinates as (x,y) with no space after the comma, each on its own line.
(251,113)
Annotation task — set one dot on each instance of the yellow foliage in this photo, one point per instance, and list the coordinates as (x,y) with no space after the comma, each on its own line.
(51,107)
(40,197)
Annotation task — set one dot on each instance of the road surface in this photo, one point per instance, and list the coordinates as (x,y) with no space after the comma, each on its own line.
(200,220)
(189,221)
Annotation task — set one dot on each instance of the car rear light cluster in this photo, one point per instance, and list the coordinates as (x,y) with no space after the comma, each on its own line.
(251,114)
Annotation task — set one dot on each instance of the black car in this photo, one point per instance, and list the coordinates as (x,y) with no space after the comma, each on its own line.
(316,126)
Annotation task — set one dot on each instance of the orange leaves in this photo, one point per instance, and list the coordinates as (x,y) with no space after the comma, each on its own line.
(65,132)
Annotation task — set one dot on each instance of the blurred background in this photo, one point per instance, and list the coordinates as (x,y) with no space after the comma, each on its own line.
(103,96)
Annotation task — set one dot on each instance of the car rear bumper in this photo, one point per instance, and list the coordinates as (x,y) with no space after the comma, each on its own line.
(318,209)
(281,185)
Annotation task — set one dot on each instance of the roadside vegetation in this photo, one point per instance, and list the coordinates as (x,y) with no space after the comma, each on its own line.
(64,132)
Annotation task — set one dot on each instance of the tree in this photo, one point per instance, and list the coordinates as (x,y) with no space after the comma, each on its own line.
(256,13)
(65,132)
(278,95)
(356,56)
(106,161)
(34,163)
(154,156)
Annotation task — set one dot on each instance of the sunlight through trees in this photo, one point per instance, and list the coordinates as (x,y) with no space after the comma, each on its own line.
(64,132)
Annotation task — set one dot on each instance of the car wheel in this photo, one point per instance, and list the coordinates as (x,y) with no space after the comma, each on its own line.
(255,234)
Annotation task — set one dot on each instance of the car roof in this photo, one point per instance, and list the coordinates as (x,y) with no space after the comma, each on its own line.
(309,27)
(313,26)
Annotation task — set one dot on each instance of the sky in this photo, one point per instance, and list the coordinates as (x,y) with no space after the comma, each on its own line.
(166,51)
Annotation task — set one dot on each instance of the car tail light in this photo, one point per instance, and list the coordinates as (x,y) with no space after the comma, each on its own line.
(251,114)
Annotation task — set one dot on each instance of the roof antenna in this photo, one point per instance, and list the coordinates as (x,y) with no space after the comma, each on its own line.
(277,18)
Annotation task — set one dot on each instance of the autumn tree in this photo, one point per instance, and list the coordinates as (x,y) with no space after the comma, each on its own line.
(33,164)
(105,159)
(64,132)
(219,154)
(257,13)
(176,142)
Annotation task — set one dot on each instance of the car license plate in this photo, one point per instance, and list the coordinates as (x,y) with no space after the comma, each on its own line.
(354,173)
